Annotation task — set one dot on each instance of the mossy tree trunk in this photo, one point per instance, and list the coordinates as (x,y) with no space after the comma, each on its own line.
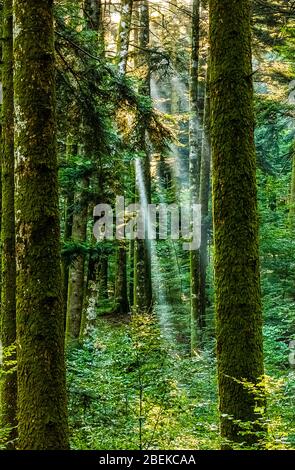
(131,265)
(194,173)
(72,149)
(237,283)
(142,260)
(93,13)
(77,269)
(89,313)
(8,314)
(204,201)
(42,410)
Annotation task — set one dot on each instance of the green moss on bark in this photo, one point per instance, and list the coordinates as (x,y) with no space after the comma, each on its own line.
(40,329)
(194,174)
(204,199)
(238,304)
(77,270)
(8,315)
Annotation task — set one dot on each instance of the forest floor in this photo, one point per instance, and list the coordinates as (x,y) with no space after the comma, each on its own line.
(128,389)
(127,380)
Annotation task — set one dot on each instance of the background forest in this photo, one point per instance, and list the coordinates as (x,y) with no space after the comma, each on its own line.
(137,115)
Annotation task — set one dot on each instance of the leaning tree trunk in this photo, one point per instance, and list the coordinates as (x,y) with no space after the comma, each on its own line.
(42,410)
(8,315)
(237,283)
(194,174)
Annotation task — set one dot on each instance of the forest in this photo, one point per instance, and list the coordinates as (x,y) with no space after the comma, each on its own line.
(147,225)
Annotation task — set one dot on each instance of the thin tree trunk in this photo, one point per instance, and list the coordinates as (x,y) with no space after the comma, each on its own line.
(237,277)
(103,267)
(124,35)
(121,287)
(72,149)
(194,174)
(77,270)
(42,411)
(142,260)
(8,307)
(136,33)
(90,308)
(204,201)
(121,283)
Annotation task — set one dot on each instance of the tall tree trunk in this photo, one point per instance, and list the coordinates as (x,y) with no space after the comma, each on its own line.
(204,201)
(42,410)
(194,173)
(8,315)
(90,303)
(72,149)
(237,278)
(142,260)
(124,35)
(131,265)
(77,270)
(121,284)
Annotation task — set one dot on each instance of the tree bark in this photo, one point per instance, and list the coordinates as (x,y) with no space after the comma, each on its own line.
(72,149)
(40,330)
(124,35)
(204,201)
(77,269)
(237,276)
(142,260)
(103,267)
(121,288)
(194,174)
(8,307)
